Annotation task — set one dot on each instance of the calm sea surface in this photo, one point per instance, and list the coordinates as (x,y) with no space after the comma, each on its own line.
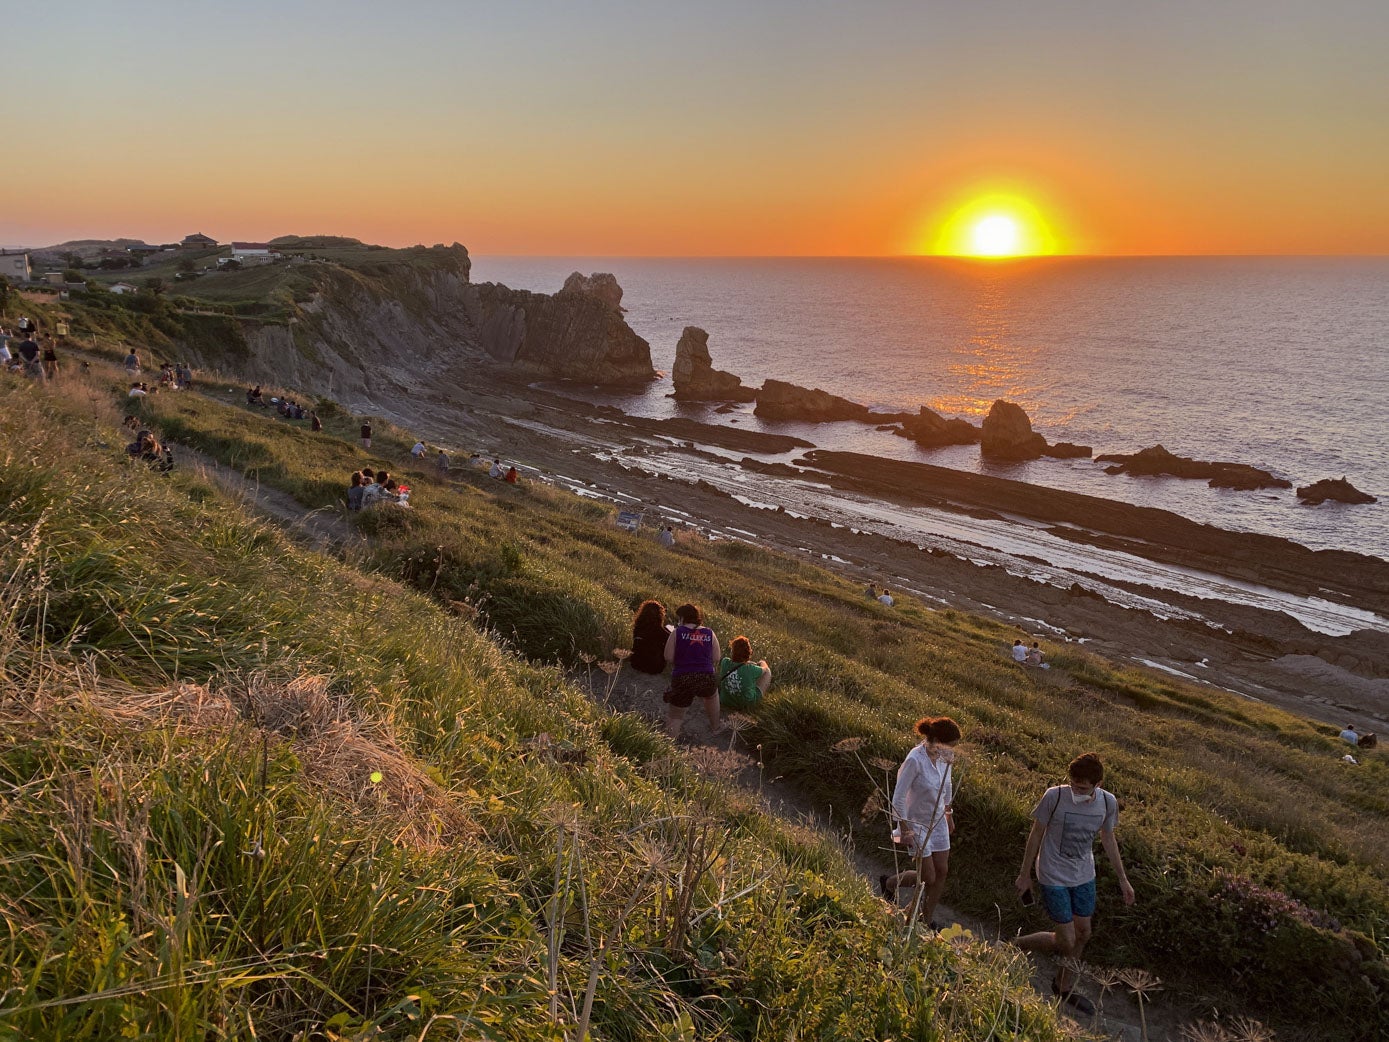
(1282,363)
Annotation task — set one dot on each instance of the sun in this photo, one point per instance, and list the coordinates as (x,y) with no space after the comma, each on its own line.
(994,226)
(997,235)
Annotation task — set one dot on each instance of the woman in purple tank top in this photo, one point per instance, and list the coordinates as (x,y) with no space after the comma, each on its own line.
(692,650)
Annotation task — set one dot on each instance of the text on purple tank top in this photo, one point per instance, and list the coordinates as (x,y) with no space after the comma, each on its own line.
(694,650)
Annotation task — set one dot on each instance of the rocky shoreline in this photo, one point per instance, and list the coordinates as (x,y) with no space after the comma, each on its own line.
(1263,654)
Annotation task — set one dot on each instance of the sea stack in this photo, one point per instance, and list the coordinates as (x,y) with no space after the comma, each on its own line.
(1157,461)
(1338,489)
(696,379)
(1007,434)
(931,430)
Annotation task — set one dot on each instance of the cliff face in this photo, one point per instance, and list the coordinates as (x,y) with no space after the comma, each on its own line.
(397,321)
(577,334)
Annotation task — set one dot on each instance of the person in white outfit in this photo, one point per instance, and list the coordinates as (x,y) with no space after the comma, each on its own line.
(921,804)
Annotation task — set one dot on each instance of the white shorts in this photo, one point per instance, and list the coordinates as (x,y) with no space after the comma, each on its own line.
(922,844)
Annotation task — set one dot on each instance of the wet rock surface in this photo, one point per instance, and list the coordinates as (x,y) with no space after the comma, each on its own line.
(931,430)
(1007,434)
(1338,490)
(1157,461)
(779,400)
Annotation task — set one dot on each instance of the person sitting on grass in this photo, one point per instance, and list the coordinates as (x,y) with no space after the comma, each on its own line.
(418,450)
(742,682)
(355,491)
(496,469)
(146,447)
(1034,657)
(1061,846)
(1019,653)
(255,397)
(921,803)
(511,476)
(649,635)
(886,598)
(692,649)
(376,489)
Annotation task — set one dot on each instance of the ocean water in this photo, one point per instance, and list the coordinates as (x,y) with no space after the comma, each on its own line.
(1278,362)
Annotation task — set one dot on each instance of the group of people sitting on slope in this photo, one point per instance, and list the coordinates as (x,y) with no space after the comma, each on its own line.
(288,408)
(1059,852)
(698,667)
(369,488)
(1025,656)
(441,462)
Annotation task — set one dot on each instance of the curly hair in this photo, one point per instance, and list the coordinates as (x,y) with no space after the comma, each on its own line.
(938,729)
(740,650)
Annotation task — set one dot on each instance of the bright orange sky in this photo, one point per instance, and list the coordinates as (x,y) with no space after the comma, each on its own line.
(704,129)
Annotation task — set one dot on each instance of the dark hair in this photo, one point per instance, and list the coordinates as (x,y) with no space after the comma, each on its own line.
(939,729)
(1086,768)
(367,472)
(649,614)
(740,650)
(382,477)
(356,478)
(689,614)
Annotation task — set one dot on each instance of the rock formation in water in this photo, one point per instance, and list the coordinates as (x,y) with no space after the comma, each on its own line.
(1158,462)
(577,334)
(696,379)
(778,400)
(1068,450)
(931,430)
(1338,489)
(1007,434)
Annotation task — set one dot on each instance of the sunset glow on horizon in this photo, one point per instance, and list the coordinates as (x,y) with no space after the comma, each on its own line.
(718,129)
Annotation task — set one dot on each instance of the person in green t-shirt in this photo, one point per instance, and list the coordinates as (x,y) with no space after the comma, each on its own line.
(742,682)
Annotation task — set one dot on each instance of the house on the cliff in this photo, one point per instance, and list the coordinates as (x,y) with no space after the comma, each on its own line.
(248,254)
(197,241)
(14,266)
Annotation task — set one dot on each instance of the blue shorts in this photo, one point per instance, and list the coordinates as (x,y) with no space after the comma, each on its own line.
(1064,903)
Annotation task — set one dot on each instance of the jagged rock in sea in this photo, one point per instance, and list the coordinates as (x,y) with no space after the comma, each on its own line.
(931,430)
(779,400)
(1068,450)
(1157,461)
(1007,434)
(576,334)
(1338,489)
(600,284)
(696,379)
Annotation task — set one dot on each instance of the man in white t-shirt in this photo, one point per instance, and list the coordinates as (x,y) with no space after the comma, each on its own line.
(1350,735)
(885,598)
(1019,652)
(136,391)
(418,450)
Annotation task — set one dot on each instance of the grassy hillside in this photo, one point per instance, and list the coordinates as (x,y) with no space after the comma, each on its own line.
(252,791)
(1261,859)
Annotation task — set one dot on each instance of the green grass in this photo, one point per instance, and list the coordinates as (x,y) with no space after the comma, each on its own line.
(1216,789)
(254,791)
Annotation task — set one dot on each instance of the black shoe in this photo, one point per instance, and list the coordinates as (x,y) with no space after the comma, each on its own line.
(935,926)
(889,892)
(1074,999)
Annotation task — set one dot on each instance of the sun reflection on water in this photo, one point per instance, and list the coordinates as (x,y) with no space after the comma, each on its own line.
(994,362)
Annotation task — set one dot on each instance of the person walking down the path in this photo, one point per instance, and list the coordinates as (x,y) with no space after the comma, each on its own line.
(50,359)
(667,537)
(885,598)
(692,650)
(1061,847)
(442,462)
(366,435)
(742,682)
(355,491)
(921,804)
(511,476)
(649,636)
